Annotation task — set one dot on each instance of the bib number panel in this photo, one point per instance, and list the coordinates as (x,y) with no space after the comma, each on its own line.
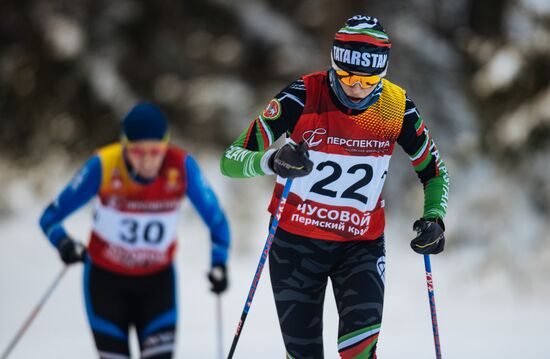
(339,180)
(136,230)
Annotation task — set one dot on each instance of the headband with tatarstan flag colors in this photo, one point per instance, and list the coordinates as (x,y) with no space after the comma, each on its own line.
(361,46)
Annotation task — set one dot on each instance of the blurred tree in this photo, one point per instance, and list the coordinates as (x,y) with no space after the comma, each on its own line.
(69,70)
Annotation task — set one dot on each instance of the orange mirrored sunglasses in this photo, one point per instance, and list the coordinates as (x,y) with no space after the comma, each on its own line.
(351,79)
(142,152)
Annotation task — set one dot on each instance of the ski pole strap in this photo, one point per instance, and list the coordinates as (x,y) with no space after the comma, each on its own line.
(263,258)
(431,297)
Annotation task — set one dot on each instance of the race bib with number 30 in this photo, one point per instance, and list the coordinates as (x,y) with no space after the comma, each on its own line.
(136,230)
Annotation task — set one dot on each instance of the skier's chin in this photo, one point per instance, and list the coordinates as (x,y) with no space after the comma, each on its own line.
(355,99)
(148,174)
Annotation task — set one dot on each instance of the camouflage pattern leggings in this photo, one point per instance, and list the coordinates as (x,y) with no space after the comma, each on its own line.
(299,269)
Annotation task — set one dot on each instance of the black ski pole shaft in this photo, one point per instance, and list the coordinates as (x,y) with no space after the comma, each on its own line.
(220,325)
(33,314)
(431,296)
(263,258)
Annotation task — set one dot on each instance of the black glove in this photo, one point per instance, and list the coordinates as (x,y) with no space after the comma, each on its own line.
(218,278)
(71,251)
(430,238)
(291,161)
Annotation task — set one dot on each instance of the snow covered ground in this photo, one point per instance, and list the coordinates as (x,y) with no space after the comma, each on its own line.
(482,313)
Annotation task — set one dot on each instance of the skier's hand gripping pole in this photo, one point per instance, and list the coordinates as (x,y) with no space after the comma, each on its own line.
(261,264)
(34,313)
(431,297)
(291,160)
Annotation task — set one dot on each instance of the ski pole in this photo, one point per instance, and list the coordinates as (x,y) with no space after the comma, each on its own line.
(220,325)
(34,313)
(431,297)
(261,264)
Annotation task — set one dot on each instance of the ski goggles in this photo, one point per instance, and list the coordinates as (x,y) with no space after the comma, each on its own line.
(138,151)
(350,79)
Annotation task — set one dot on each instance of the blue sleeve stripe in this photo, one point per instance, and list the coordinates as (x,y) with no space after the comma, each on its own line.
(205,202)
(56,233)
(97,323)
(83,187)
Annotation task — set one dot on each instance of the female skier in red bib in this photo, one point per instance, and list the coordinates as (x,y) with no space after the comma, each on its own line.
(346,121)
(129,277)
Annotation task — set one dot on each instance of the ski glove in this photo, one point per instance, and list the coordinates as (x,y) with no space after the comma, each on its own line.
(71,251)
(430,238)
(218,278)
(291,161)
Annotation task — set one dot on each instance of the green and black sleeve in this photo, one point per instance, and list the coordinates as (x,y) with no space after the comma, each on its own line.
(247,156)
(426,161)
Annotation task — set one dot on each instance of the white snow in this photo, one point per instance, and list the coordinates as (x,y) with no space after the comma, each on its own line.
(64,35)
(499,72)
(484,312)
(209,95)
(108,84)
(539,7)
(520,123)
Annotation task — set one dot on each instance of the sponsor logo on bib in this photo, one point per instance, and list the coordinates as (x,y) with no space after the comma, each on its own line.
(116,180)
(172,179)
(314,138)
(360,145)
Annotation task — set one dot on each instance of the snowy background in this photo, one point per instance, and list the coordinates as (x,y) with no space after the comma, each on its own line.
(486,309)
(478,70)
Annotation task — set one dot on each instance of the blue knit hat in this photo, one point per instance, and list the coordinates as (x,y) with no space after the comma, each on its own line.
(144,122)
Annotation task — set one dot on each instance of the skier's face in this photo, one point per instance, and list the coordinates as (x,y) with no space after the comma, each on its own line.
(146,157)
(356,93)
